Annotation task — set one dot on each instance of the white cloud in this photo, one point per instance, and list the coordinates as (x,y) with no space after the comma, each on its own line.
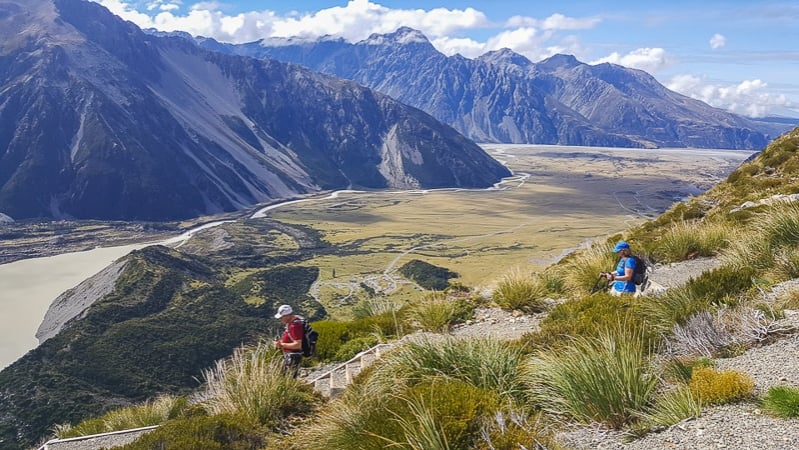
(647,59)
(553,22)
(749,97)
(717,41)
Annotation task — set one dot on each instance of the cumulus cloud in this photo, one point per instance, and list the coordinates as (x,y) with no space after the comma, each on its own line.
(355,21)
(553,22)
(647,59)
(717,41)
(749,97)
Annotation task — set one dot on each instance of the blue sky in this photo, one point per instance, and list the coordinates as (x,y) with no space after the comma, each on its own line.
(742,56)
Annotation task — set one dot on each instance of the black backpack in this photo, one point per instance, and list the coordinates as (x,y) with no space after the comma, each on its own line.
(309,338)
(639,274)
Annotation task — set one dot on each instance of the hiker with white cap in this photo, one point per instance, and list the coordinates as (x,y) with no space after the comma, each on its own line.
(291,341)
(622,278)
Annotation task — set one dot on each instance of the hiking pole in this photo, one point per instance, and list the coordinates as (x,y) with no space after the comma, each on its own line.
(596,287)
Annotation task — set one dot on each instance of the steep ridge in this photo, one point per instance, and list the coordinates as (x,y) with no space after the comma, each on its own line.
(99,120)
(504,97)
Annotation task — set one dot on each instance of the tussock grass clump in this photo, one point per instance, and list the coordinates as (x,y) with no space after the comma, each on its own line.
(437,312)
(771,241)
(486,363)
(782,401)
(153,412)
(605,379)
(672,407)
(523,291)
(672,308)
(788,300)
(684,239)
(376,306)
(251,384)
(580,271)
(712,387)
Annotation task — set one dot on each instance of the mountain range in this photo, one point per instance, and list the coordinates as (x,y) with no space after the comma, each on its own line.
(100,120)
(502,96)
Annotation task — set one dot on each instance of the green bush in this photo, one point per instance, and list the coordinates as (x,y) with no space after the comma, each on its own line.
(782,401)
(717,388)
(355,346)
(220,432)
(522,291)
(719,284)
(605,379)
(153,412)
(334,334)
(439,413)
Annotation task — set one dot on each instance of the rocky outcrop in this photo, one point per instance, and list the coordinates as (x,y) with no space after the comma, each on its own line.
(74,302)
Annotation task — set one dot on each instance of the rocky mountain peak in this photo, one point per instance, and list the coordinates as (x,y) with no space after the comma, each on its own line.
(505,56)
(558,62)
(403,36)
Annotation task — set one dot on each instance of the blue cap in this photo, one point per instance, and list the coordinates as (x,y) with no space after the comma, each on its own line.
(621,245)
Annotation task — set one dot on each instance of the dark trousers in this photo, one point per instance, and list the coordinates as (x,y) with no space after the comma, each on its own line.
(291,363)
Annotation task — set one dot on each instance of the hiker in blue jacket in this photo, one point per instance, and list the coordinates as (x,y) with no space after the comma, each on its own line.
(622,278)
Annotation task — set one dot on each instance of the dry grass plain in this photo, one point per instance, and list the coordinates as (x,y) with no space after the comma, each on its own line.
(559,199)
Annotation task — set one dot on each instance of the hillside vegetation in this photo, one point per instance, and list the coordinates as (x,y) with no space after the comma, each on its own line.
(631,363)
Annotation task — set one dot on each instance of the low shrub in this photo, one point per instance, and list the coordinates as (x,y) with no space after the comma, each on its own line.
(782,401)
(355,346)
(439,413)
(219,432)
(153,412)
(720,284)
(523,291)
(334,334)
(712,387)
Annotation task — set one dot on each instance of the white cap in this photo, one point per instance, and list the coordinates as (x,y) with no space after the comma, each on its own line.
(284,310)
